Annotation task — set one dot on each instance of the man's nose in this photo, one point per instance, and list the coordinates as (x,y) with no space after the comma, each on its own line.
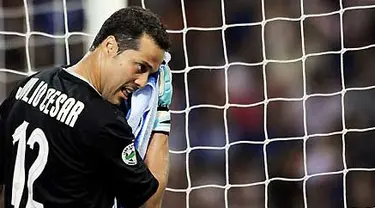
(142,80)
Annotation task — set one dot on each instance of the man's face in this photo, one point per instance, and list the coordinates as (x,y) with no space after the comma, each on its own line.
(123,73)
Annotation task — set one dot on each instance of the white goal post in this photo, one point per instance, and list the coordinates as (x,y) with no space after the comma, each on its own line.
(97,12)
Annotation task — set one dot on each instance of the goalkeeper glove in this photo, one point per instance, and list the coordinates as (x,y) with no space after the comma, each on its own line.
(163,116)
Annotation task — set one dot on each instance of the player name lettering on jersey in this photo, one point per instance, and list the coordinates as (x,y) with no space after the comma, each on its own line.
(50,101)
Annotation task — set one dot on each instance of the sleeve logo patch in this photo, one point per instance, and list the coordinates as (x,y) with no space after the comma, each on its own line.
(129,156)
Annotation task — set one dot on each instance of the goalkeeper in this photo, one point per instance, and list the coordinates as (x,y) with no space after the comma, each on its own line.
(64,140)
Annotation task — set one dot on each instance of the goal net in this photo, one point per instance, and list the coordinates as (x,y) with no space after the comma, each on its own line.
(273,99)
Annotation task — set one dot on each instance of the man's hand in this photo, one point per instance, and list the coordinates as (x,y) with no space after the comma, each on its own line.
(163,118)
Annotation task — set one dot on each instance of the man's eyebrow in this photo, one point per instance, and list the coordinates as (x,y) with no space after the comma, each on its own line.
(147,65)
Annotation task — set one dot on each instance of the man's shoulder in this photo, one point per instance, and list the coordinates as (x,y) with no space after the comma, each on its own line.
(46,73)
(100,115)
(101,110)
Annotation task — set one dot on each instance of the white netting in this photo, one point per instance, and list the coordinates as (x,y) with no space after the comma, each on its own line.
(267,100)
(43,8)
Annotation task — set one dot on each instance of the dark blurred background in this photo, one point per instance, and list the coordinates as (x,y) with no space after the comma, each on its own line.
(273,99)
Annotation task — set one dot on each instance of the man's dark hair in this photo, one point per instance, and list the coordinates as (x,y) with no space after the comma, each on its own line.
(127,25)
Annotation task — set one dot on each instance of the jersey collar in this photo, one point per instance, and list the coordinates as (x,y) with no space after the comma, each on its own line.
(71,72)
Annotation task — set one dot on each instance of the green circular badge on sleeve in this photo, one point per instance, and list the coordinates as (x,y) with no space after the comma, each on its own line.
(129,156)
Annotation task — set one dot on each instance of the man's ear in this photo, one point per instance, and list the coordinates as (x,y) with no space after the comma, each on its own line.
(110,46)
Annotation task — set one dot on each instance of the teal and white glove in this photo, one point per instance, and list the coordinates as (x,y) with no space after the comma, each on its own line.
(163,116)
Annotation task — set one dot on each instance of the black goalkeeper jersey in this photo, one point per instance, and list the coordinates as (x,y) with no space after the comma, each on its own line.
(63,145)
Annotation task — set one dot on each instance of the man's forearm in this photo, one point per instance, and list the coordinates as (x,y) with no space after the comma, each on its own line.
(157,160)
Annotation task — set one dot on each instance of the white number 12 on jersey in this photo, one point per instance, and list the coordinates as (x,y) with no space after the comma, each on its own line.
(37,136)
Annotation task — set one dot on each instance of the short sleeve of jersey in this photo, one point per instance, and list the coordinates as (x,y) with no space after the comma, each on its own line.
(126,173)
